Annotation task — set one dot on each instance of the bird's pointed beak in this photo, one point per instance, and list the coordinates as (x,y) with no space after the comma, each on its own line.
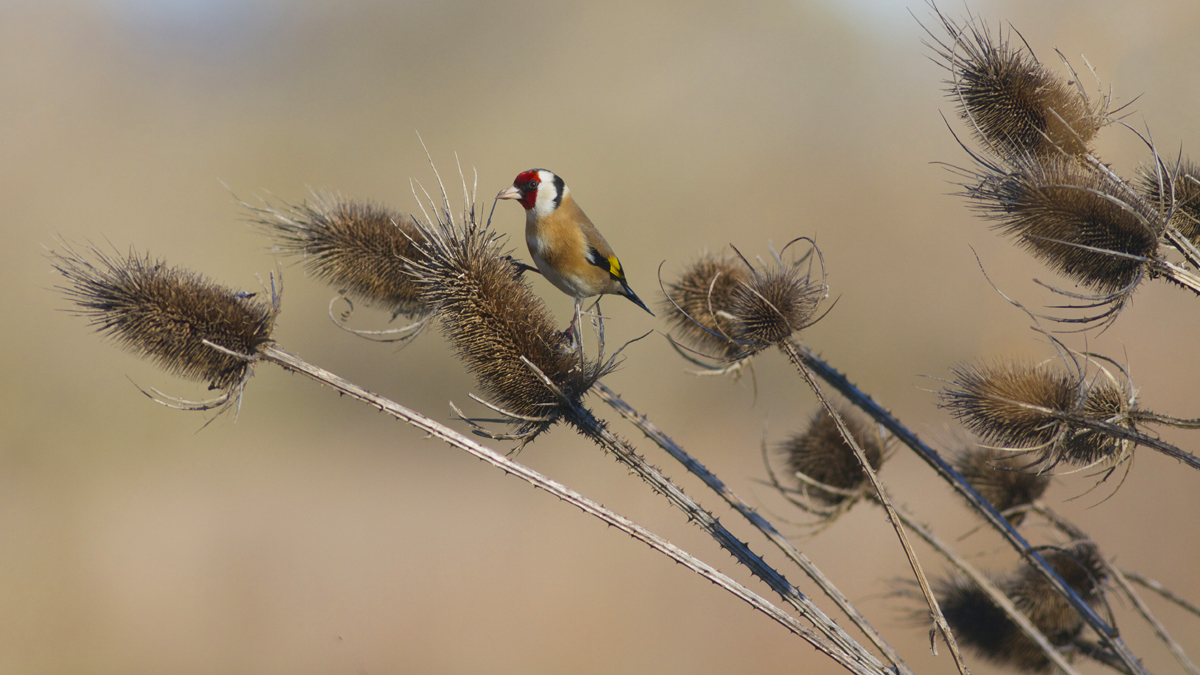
(509,193)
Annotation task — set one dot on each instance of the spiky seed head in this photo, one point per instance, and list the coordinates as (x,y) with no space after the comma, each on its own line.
(1041,407)
(1013,103)
(362,248)
(1176,194)
(821,454)
(743,310)
(1082,568)
(772,305)
(1007,402)
(167,313)
(1078,220)
(705,292)
(492,318)
(1107,402)
(982,626)
(998,477)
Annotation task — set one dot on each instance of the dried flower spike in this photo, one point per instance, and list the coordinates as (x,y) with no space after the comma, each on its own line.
(698,303)
(1014,104)
(752,309)
(169,314)
(1082,568)
(979,624)
(821,457)
(1082,222)
(498,326)
(1039,408)
(1177,196)
(360,247)
(997,476)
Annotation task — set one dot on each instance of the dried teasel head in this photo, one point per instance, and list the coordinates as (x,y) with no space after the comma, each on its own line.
(819,457)
(497,325)
(1081,567)
(698,303)
(750,310)
(1081,221)
(1041,408)
(983,627)
(1013,103)
(1176,193)
(998,477)
(189,325)
(359,247)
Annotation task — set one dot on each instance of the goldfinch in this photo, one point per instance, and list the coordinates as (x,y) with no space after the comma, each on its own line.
(566,247)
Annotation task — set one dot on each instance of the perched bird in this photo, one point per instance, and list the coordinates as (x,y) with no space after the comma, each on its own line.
(566,247)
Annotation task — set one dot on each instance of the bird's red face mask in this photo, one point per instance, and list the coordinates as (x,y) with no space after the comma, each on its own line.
(524,189)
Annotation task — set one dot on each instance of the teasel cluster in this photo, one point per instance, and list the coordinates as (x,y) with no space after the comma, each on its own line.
(992,633)
(728,309)
(1056,412)
(1038,179)
(191,326)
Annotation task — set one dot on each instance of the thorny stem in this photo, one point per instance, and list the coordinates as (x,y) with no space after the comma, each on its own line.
(838,653)
(935,611)
(1165,592)
(1122,579)
(591,427)
(718,486)
(838,381)
(1159,629)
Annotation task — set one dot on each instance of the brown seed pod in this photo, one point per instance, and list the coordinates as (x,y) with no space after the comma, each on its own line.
(169,313)
(1082,568)
(494,320)
(740,311)
(775,303)
(1080,221)
(703,295)
(1003,401)
(360,247)
(1040,408)
(998,478)
(821,455)
(1177,196)
(979,624)
(1013,103)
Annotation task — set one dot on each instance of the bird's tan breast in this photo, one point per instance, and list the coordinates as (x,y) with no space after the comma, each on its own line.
(559,244)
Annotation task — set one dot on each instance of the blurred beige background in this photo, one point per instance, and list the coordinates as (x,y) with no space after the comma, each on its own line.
(313,535)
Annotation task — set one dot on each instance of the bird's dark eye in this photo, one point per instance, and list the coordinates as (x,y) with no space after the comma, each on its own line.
(531,186)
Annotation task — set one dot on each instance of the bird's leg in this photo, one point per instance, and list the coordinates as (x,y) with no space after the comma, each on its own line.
(571,333)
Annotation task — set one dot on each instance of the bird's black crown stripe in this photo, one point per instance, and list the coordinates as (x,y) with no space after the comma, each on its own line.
(559,186)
